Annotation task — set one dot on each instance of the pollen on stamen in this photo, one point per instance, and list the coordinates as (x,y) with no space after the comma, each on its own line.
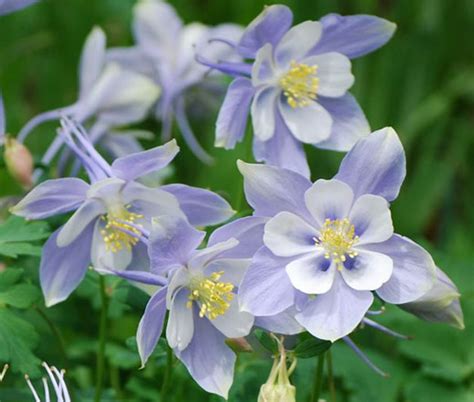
(300,84)
(213,295)
(336,239)
(120,230)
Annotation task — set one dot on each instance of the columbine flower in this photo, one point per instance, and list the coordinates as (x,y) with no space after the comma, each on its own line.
(109,96)
(297,87)
(440,303)
(165,51)
(56,379)
(201,297)
(113,201)
(10,6)
(329,245)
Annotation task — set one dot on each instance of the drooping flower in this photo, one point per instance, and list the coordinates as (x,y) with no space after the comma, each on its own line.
(201,296)
(165,51)
(327,246)
(114,200)
(56,378)
(110,96)
(297,87)
(440,303)
(10,6)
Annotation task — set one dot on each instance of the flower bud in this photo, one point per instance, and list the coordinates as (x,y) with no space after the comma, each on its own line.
(278,387)
(277,393)
(19,162)
(439,304)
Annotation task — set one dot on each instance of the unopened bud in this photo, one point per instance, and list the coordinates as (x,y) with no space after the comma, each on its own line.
(277,393)
(239,345)
(278,387)
(439,304)
(19,162)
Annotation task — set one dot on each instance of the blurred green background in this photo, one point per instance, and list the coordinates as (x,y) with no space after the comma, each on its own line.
(421,83)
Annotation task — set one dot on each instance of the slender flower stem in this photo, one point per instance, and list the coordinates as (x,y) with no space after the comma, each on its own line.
(318,379)
(102,340)
(168,372)
(55,330)
(332,385)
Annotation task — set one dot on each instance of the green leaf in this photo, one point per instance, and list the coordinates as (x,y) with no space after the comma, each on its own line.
(9,277)
(13,250)
(311,347)
(16,229)
(20,296)
(17,339)
(16,235)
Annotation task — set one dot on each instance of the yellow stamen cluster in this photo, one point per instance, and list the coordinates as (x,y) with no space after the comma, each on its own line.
(337,237)
(119,230)
(213,296)
(300,84)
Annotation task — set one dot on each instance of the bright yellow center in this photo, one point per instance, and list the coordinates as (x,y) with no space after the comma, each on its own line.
(214,296)
(300,84)
(337,237)
(119,231)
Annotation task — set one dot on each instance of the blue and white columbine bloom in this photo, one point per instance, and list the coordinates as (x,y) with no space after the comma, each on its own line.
(297,87)
(328,246)
(165,51)
(201,295)
(110,96)
(113,201)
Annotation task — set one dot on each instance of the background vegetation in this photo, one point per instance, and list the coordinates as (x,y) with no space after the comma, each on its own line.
(421,83)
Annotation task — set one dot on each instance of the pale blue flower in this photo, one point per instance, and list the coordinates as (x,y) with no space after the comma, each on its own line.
(328,246)
(110,96)
(201,296)
(114,200)
(297,87)
(165,51)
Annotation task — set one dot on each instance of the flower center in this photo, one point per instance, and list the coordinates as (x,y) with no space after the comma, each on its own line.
(213,295)
(120,230)
(337,237)
(300,84)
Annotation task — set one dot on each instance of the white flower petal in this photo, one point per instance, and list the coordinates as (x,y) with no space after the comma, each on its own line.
(367,271)
(297,42)
(312,273)
(309,124)
(180,328)
(263,112)
(287,235)
(328,199)
(234,323)
(333,72)
(371,218)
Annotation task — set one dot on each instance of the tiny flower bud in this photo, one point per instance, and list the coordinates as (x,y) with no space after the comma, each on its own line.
(19,162)
(239,345)
(439,304)
(278,387)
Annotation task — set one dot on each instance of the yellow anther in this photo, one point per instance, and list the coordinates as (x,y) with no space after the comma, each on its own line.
(213,296)
(120,230)
(337,237)
(300,84)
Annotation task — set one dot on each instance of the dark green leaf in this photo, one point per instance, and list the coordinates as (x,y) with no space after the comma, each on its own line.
(311,347)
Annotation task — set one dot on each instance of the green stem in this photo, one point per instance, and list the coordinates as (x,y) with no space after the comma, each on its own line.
(332,385)
(54,329)
(318,379)
(102,340)
(167,376)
